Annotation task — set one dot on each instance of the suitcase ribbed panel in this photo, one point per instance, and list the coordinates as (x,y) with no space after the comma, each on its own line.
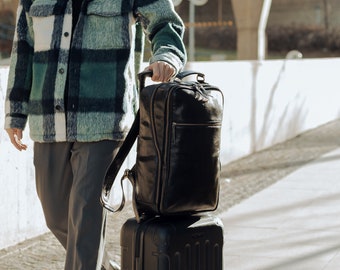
(184,243)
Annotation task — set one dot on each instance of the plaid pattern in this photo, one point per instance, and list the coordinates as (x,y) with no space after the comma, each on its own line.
(98,99)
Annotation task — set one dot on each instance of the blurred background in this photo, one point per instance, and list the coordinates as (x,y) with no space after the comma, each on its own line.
(309,26)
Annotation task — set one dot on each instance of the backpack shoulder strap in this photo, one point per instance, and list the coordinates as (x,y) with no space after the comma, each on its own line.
(121,155)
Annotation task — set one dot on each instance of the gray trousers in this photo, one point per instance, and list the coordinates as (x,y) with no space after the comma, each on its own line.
(69,178)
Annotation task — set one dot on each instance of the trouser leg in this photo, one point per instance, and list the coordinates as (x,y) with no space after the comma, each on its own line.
(54,178)
(85,215)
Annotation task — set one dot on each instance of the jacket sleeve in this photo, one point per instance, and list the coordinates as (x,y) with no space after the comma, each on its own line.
(20,73)
(164,29)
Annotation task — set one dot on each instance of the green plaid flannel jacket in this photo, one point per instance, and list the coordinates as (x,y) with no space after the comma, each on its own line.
(81,86)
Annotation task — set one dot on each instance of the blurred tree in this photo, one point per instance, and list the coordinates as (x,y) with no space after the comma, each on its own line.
(7,21)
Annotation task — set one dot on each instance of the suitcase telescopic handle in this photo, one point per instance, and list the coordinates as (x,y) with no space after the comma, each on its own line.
(142,77)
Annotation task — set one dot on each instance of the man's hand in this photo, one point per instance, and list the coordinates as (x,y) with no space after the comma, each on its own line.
(15,136)
(161,71)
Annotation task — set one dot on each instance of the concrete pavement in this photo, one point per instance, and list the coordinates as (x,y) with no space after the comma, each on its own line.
(294,224)
(280,208)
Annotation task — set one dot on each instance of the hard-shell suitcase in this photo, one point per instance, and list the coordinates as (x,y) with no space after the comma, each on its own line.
(178,146)
(172,243)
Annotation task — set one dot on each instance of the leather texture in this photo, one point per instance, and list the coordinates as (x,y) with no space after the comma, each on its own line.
(177,168)
(178,147)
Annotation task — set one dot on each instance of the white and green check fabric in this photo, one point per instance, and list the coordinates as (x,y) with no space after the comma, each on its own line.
(81,86)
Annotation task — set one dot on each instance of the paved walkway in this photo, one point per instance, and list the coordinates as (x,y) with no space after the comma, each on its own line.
(294,224)
(280,208)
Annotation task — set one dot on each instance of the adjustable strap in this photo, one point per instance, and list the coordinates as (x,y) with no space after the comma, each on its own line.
(104,199)
(116,165)
(121,156)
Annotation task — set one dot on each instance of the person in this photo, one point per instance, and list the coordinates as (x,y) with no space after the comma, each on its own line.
(73,79)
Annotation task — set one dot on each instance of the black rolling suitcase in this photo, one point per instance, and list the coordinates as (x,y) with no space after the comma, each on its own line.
(172,243)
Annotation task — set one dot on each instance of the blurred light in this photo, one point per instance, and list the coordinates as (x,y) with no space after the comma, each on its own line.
(294,54)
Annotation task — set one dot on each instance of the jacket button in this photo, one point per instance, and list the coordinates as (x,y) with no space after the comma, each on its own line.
(66,34)
(58,107)
(61,71)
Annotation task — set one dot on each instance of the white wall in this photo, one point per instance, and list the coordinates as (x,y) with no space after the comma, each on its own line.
(20,212)
(271,101)
(265,103)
